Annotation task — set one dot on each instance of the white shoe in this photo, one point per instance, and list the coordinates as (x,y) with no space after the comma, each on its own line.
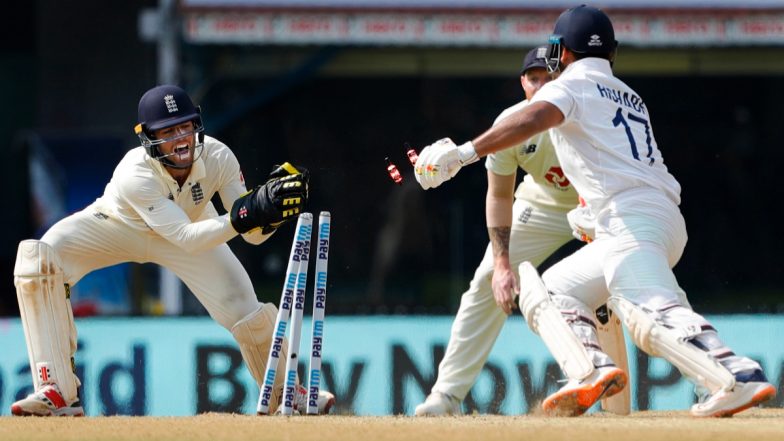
(324,402)
(47,401)
(751,388)
(439,404)
(577,396)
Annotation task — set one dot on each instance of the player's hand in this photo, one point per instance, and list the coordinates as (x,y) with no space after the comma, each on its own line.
(286,169)
(437,163)
(270,205)
(440,162)
(583,223)
(505,288)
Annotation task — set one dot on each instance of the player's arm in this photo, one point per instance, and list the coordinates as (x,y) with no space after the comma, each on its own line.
(171,222)
(268,206)
(518,127)
(231,188)
(256,214)
(498,211)
(442,160)
(232,193)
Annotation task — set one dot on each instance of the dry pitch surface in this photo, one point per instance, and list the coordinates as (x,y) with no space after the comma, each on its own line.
(757,424)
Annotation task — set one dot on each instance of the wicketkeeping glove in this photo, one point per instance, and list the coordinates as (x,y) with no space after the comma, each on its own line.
(279,171)
(268,206)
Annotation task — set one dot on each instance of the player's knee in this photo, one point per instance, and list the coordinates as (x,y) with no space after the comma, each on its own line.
(638,322)
(36,258)
(257,327)
(235,306)
(35,262)
(567,302)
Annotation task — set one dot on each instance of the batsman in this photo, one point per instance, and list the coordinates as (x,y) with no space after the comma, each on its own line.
(157,208)
(603,138)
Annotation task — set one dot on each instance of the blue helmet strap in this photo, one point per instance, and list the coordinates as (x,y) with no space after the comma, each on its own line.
(553,58)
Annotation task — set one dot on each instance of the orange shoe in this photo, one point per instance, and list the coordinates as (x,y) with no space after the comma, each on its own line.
(577,396)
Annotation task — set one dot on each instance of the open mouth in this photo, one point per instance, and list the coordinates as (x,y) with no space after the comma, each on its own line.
(182,152)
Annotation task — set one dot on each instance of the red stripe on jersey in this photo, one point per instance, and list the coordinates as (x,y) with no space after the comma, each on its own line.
(54,397)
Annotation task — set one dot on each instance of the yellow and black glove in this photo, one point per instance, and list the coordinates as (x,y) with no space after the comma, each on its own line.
(268,206)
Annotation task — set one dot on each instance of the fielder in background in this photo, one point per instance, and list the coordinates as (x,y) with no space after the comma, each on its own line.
(604,140)
(524,225)
(528,224)
(157,208)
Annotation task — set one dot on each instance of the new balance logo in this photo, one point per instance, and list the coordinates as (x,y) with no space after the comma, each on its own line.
(527,149)
(171,105)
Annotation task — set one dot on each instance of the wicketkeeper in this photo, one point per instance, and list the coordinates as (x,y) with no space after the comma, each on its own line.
(157,208)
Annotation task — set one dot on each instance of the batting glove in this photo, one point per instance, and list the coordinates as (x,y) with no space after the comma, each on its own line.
(583,223)
(440,162)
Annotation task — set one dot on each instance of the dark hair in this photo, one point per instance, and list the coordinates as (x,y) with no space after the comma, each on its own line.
(579,56)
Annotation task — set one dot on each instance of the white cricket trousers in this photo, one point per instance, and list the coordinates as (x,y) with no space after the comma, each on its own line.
(88,240)
(537,232)
(640,236)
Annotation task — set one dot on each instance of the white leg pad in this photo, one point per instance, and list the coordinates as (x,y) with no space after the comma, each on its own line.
(613,343)
(254,336)
(47,317)
(672,345)
(545,319)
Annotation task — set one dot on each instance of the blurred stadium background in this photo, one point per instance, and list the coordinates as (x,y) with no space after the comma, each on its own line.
(339,85)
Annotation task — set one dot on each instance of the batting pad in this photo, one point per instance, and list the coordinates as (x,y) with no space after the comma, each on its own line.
(47,317)
(545,319)
(672,345)
(254,336)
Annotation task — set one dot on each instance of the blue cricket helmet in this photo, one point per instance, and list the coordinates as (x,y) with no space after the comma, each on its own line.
(583,30)
(166,106)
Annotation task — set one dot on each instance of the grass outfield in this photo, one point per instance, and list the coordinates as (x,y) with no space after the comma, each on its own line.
(756,424)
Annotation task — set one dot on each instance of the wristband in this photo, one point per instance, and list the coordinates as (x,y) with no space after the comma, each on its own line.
(466,153)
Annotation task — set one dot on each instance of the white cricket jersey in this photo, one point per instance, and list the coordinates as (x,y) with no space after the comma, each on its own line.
(145,196)
(544,181)
(605,143)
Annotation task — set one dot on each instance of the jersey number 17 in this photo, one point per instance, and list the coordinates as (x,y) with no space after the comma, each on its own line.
(620,120)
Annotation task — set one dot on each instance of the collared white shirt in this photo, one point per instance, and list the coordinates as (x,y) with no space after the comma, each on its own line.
(143,195)
(605,143)
(544,181)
